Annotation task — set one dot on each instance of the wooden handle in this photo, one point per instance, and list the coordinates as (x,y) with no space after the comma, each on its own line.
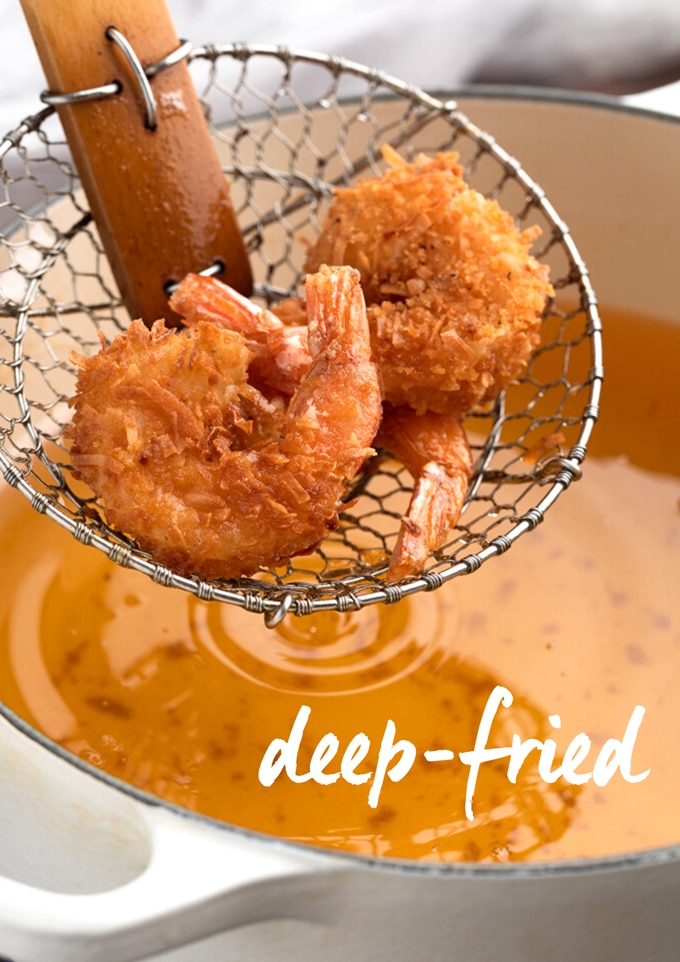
(158,196)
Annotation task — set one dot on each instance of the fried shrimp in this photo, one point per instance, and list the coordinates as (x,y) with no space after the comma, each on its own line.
(454,298)
(454,303)
(205,472)
(435,450)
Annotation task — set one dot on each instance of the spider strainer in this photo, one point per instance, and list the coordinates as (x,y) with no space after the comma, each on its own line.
(289,127)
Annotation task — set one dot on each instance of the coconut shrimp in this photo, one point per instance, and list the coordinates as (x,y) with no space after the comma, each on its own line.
(204,471)
(435,450)
(454,297)
(433,447)
(454,306)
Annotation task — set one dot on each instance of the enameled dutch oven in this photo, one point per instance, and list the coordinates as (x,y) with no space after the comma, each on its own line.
(92,870)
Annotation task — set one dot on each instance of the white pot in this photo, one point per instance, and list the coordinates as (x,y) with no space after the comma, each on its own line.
(93,871)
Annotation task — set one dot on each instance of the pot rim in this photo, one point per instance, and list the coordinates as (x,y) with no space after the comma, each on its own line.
(568,98)
(643,858)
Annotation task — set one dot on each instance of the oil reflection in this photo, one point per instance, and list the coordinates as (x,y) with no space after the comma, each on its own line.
(181,698)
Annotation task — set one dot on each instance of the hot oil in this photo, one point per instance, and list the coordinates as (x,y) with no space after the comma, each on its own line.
(581,619)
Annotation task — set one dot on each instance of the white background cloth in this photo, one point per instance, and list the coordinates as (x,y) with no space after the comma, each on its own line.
(609,45)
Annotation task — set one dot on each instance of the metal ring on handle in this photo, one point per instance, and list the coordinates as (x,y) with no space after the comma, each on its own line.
(151,119)
(79,96)
(142,75)
(214,270)
(181,53)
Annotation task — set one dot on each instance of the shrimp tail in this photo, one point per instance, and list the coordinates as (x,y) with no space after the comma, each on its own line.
(341,387)
(435,450)
(280,354)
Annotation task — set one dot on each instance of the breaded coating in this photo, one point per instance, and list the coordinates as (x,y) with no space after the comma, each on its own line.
(202,470)
(454,298)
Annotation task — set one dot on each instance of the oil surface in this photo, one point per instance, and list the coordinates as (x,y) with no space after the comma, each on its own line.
(581,619)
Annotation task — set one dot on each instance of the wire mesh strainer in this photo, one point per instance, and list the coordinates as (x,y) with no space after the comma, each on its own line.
(289,127)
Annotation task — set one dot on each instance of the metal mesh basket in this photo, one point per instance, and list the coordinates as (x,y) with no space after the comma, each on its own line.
(284,152)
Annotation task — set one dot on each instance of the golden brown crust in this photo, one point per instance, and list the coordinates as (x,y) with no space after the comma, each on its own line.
(454,296)
(201,469)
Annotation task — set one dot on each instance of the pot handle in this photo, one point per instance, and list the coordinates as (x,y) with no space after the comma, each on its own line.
(199,881)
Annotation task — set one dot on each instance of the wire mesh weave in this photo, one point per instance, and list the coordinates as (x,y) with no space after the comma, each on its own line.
(284,153)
